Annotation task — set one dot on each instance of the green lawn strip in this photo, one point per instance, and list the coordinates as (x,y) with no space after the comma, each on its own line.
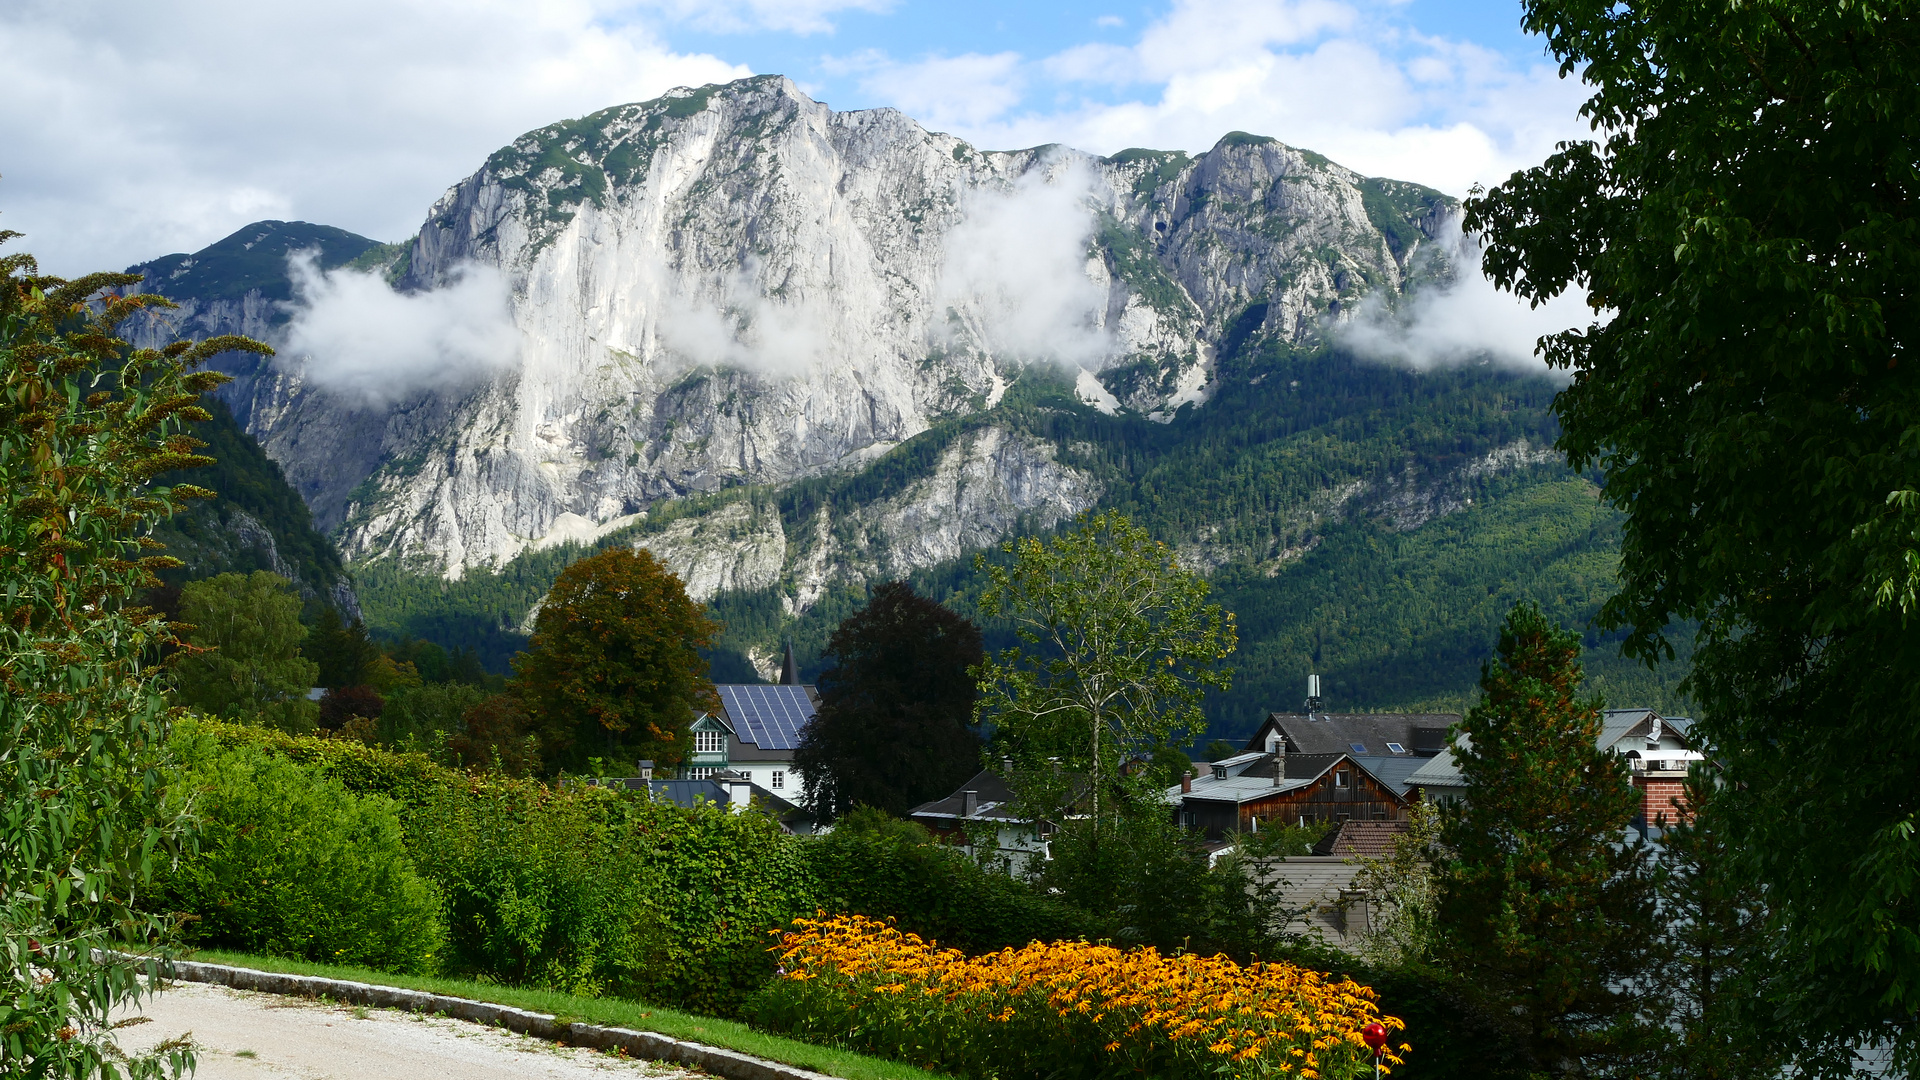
(612,1012)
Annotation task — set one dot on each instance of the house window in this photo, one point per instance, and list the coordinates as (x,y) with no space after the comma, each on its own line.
(700,773)
(709,742)
(1340,778)
(1358,747)
(1395,748)
(779,781)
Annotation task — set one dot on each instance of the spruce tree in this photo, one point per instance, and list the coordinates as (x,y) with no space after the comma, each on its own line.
(1545,906)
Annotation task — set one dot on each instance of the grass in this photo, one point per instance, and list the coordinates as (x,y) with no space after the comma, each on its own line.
(613,1012)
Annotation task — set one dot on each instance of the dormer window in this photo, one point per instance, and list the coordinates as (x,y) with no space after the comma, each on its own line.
(709,742)
(1219,772)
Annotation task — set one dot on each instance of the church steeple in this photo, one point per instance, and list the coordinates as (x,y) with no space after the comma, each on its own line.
(789,669)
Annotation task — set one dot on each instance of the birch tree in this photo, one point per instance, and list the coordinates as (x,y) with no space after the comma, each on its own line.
(1117,647)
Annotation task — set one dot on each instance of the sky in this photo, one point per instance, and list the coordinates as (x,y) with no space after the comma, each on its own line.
(135,129)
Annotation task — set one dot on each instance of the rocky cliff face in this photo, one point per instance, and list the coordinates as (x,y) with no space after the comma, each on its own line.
(738,285)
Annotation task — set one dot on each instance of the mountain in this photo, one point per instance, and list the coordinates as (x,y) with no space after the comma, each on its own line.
(795,351)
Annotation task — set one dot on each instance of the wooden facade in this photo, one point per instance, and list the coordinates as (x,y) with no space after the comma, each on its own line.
(1343,791)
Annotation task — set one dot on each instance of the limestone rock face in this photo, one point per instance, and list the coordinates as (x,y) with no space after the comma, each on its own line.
(738,285)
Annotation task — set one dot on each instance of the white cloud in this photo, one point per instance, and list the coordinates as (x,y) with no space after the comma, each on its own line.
(354,336)
(945,93)
(1016,269)
(132,130)
(739,16)
(1109,21)
(734,323)
(1466,322)
(1345,79)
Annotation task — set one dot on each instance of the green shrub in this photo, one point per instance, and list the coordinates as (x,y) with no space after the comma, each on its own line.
(292,863)
(411,779)
(873,864)
(594,891)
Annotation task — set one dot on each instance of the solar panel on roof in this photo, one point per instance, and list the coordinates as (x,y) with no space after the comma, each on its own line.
(770,717)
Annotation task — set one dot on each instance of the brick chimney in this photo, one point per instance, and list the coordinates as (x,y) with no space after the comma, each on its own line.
(1186,783)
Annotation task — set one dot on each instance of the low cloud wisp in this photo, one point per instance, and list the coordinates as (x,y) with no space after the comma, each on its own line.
(1465,322)
(356,337)
(1016,270)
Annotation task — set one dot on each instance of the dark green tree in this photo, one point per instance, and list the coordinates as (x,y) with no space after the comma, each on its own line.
(344,651)
(86,423)
(614,668)
(1714,962)
(1747,224)
(1542,905)
(894,727)
(246,662)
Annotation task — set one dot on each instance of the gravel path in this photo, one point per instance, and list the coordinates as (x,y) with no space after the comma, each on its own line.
(241,1035)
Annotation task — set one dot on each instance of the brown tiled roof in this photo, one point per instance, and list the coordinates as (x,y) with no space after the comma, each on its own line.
(1364,839)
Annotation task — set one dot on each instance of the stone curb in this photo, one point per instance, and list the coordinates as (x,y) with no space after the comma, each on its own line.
(639,1044)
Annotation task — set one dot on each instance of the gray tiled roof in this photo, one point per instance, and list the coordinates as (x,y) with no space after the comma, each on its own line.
(993,800)
(1335,733)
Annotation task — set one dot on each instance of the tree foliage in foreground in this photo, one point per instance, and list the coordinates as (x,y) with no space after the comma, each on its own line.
(614,669)
(1542,905)
(894,727)
(85,425)
(1748,220)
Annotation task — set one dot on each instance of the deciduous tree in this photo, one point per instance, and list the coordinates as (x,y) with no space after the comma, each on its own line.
(614,668)
(247,662)
(894,727)
(1746,224)
(1543,905)
(1118,645)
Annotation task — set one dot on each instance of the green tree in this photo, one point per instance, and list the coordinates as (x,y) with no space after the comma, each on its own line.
(246,662)
(614,668)
(85,425)
(1118,645)
(1747,222)
(896,709)
(1543,906)
(1714,964)
(343,651)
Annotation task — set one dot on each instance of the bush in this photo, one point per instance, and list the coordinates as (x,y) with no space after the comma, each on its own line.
(418,718)
(888,868)
(411,779)
(291,863)
(595,891)
(1067,1009)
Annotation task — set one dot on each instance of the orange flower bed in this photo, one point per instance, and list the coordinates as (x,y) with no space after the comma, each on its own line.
(1069,1008)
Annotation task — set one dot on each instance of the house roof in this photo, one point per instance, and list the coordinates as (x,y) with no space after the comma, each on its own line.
(1362,839)
(1252,780)
(1441,771)
(1394,772)
(1340,733)
(993,801)
(1618,724)
(767,717)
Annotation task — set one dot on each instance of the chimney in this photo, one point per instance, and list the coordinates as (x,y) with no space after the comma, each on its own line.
(969,803)
(1186,784)
(646,770)
(789,669)
(740,794)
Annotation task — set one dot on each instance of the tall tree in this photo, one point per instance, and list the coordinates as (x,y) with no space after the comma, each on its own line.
(894,727)
(1714,966)
(1747,224)
(614,668)
(85,425)
(246,660)
(1543,905)
(344,651)
(1118,645)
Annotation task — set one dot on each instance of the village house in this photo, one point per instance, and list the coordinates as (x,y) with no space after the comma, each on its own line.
(755,732)
(982,808)
(1249,790)
(1659,751)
